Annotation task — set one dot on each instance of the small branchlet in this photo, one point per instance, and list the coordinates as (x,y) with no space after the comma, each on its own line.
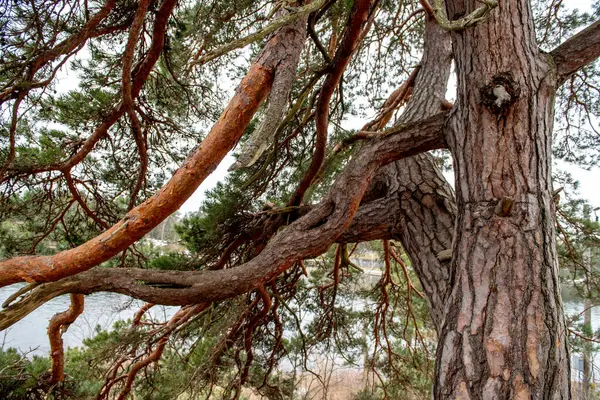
(480,14)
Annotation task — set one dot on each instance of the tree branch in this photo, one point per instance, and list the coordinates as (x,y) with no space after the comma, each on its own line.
(355,26)
(263,33)
(139,221)
(307,237)
(57,326)
(577,52)
(141,74)
(63,48)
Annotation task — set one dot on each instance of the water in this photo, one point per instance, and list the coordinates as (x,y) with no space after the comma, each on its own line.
(101,309)
(104,309)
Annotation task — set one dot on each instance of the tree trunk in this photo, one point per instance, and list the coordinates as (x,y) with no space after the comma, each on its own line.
(503,335)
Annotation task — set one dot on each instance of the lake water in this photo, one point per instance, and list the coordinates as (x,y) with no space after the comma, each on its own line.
(103,309)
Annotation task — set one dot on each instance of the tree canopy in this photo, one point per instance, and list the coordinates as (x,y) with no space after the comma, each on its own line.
(340,125)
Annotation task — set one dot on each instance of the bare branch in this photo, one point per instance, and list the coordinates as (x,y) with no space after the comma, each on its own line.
(139,221)
(58,325)
(307,237)
(577,52)
(77,196)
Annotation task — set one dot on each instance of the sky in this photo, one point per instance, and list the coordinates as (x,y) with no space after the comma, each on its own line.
(589,188)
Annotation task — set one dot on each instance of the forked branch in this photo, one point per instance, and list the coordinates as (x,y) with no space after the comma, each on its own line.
(140,220)
(309,236)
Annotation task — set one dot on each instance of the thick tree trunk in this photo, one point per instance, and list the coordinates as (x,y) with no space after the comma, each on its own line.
(503,335)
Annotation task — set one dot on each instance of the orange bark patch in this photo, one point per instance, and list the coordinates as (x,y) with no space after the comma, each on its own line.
(225,133)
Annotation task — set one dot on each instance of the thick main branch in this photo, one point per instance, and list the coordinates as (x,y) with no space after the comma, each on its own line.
(225,133)
(309,236)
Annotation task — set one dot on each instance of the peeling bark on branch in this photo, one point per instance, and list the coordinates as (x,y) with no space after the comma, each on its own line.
(576,52)
(285,74)
(139,221)
(300,13)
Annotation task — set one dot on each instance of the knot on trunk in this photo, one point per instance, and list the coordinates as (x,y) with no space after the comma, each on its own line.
(504,207)
(502,92)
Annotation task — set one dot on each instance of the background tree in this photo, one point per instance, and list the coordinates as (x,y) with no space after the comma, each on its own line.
(79,168)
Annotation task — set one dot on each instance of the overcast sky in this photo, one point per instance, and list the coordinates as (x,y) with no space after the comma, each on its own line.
(589,188)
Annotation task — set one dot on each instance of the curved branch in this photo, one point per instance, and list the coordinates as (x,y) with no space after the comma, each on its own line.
(57,326)
(307,237)
(128,98)
(65,47)
(225,133)
(478,15)
(180,317)
(77,196)
(141,74)
(356,25)
(577,52)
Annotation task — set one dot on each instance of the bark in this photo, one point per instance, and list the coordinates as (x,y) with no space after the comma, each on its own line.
(577,52)
(503,335)
(357,25)
(309,236)
(427,210)
(139,221)
(413,190)
(57,326)
(283,80)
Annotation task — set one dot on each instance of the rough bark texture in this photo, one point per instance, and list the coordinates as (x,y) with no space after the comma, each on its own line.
(495,299)
(307,237)
(427,210)
(576,52)
(503,335)
(409,200)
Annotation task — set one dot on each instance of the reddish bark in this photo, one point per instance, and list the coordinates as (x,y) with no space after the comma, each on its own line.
(350,41)
(180,317)
(308,236)
(58,325)
(139,221)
